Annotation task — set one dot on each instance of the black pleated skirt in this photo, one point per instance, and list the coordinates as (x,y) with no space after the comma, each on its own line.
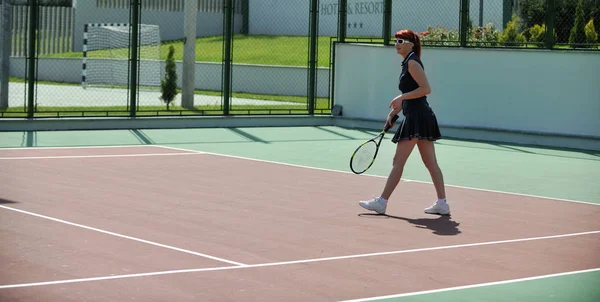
(419,122)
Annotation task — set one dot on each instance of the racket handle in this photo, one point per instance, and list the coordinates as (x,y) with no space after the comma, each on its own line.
(390,126)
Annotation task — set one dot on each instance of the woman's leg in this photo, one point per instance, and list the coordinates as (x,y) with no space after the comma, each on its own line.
(403,150)
(379,204)
(427,151)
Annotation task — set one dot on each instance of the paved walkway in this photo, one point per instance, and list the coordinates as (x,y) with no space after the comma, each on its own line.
(70,96)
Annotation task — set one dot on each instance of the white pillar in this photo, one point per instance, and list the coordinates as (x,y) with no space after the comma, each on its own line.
(188,80)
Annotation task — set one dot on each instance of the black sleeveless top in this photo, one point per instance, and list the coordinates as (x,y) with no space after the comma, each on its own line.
(407,84)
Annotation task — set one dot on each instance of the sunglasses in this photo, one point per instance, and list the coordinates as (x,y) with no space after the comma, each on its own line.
(401,41)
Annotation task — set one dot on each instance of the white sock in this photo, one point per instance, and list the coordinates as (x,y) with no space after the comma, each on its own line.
(381,200)
(441,201)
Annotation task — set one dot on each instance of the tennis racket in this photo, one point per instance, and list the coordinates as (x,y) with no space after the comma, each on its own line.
(364,156)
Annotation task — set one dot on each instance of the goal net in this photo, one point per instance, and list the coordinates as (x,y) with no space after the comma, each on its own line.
(107,53)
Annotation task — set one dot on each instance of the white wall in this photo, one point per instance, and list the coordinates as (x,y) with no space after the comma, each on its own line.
(365,17)
(531,91)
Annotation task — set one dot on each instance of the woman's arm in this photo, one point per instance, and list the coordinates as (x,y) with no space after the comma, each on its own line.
(418,74)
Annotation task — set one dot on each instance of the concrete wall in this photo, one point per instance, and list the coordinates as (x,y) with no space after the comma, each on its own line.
(516,90)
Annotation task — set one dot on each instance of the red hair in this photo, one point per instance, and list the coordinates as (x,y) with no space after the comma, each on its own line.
(411,36)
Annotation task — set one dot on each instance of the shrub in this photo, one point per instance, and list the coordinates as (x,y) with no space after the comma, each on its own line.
(591,36)
(168,85)
(537,33)
(511,35)
(577,35)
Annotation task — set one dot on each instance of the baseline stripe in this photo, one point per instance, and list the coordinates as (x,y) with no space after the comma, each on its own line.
(96,156)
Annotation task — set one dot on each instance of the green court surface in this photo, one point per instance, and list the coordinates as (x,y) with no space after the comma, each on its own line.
(576,287)
(554,173)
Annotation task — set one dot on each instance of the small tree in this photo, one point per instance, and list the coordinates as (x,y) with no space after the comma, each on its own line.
(577,35)
(537,33)
(168,85)
(511,35)
(591,36)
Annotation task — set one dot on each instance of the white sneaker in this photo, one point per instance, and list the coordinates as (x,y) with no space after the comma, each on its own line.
(376,204)
(438,208)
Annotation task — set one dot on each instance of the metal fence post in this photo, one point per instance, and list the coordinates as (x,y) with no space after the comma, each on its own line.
(227,61)
(135,15)
(312,61)
(342,19)
(550,23)
(507,10)
(464,22)
(33,26)
(387,21)
(246,16)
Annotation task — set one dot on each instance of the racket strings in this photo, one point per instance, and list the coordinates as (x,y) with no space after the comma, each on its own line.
(364,156)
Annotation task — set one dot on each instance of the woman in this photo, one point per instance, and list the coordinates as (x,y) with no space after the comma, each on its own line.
(419,126)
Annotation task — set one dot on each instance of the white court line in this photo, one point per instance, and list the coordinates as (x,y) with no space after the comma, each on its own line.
(97,156)
(447,247)
(124,236)
(75,147)
(474,286)
(378,176)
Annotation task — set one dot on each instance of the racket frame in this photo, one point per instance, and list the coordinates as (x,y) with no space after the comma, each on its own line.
(377,140)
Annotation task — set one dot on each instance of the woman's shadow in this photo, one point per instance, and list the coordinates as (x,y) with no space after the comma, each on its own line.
(442,225)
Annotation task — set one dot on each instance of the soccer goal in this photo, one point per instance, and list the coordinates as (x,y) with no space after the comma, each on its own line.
(106,54)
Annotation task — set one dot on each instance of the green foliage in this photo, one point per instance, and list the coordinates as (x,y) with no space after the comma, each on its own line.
(168,85)
(537,33)
(577,35)
(532,12)
(591,36)
(511,35)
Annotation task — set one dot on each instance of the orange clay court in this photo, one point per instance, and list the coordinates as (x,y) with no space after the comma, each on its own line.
(153,223)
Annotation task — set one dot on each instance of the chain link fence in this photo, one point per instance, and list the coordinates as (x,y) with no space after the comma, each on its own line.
(245,56)
(553,24)
(270,62)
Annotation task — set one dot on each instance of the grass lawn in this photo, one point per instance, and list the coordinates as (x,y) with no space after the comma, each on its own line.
(268,50)
(254,49)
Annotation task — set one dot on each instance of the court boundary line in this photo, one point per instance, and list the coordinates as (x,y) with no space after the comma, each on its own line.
(237,264)
(98,156)
(76,147)
(378,176)
(447,289)
(292,262)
